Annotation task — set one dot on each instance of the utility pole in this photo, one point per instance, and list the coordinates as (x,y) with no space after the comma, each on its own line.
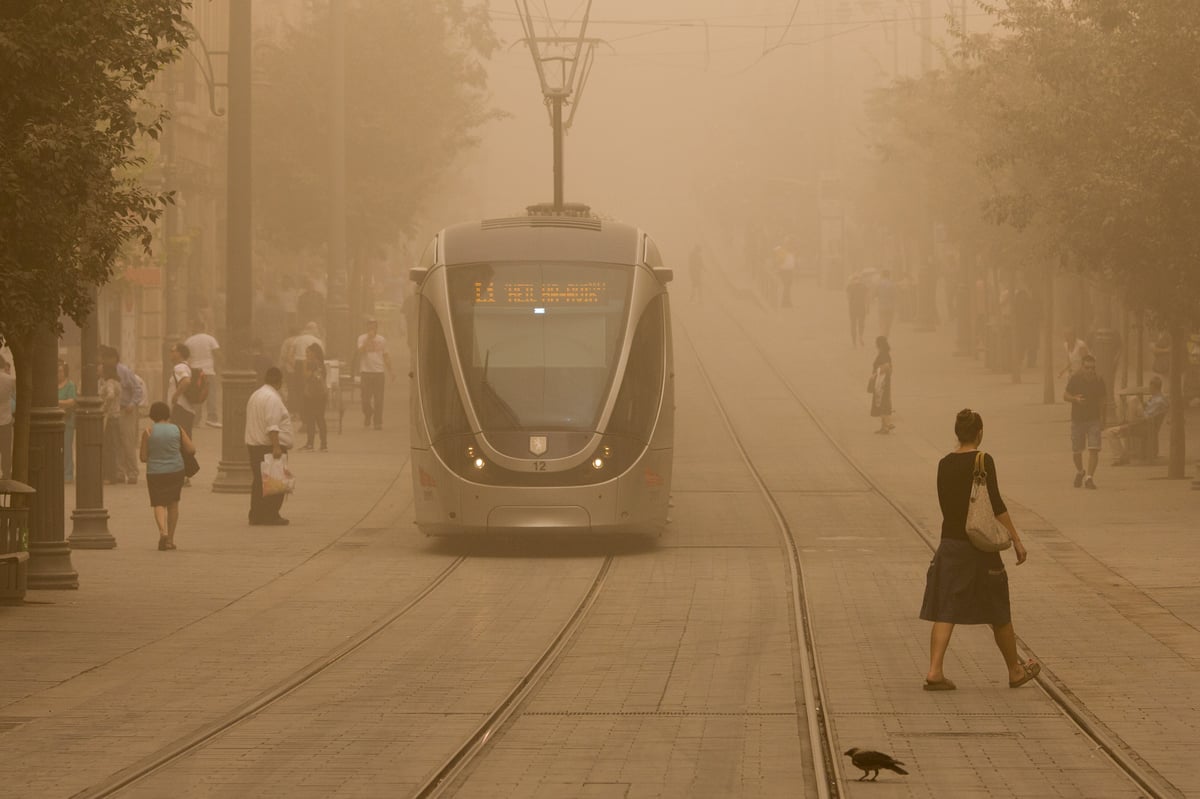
(572,68)
(338,330)
(173,308)
(89,520)
(239,380)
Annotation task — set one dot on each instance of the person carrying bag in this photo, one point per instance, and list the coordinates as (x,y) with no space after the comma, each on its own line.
(966,582)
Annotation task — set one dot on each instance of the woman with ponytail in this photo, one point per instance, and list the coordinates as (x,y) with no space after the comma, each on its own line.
(965,585)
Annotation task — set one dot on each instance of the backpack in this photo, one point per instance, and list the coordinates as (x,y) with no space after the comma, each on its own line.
(197,390)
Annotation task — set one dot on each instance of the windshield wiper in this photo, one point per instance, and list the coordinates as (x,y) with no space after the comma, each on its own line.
(494,395)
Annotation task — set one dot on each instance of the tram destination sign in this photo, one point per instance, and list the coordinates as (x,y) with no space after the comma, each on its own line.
(536,292)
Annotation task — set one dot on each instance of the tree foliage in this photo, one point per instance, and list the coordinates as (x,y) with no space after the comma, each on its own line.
(72,110)
(415,93)
(72,77)
(1081,119)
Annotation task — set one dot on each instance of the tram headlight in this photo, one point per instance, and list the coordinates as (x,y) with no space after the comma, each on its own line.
(597,463)
(477,463)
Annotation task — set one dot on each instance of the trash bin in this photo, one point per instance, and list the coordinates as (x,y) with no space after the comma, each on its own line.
(14,541)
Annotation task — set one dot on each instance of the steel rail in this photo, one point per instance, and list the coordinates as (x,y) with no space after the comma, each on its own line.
(826,767)
(457,764)
(189,743)
(1123,756)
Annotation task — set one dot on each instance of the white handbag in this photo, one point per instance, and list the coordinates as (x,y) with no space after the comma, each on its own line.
(983,528)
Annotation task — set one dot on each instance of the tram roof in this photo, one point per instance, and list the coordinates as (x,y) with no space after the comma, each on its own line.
(540,238)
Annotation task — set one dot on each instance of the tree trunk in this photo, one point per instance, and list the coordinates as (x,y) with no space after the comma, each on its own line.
(1048,394)
(1176,457)
(1015,333)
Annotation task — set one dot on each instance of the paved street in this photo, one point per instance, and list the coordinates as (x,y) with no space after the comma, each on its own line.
(682,683)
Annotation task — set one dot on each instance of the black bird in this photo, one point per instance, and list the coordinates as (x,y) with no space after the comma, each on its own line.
(870,761)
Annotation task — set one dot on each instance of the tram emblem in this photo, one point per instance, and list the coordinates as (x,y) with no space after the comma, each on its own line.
(537,445)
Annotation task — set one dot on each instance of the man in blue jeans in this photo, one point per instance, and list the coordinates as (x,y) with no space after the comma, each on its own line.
(1085,392)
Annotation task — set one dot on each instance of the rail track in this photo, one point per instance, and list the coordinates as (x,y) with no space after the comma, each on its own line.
(1123,757)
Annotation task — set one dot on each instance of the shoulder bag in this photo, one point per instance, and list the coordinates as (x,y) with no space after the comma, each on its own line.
(190,465)
(984,530)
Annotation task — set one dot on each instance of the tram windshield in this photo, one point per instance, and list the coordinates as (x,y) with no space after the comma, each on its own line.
(538,342)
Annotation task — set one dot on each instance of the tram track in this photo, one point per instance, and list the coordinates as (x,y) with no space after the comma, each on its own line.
(460,761)
(196,740)
(1123,757)
(827,773)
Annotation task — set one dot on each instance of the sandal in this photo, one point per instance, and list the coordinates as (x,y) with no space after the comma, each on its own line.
(1032,669)
(939,685)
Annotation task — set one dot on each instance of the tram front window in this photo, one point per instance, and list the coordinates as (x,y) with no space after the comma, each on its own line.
(538,342)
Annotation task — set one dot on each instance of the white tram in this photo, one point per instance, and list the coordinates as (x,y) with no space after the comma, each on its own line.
(543,384)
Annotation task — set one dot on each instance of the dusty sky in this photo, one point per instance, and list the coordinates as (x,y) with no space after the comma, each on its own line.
(676,107)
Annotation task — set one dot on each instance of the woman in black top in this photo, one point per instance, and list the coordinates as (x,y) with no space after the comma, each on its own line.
(881,397)
(965,585)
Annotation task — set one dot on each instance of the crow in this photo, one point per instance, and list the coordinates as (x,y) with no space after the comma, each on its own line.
(870,761)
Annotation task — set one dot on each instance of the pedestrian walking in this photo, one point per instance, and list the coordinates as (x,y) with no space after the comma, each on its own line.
(785,265)
(268,432)
(131,397)
(880,385)
(162,447)
(8,392)
(183,413)
(373,361)
(1075,350)
(204,354)
(297,359)
(66,401)
(856,299)
(965,585)
(110,406)
(314,397)
(1085,392)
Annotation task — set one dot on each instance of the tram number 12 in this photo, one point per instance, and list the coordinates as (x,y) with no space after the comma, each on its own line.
(539,466)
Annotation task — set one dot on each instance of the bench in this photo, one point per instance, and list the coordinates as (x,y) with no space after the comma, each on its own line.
(1144,437)
(14,549)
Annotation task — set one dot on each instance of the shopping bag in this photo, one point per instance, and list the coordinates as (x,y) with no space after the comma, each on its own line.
(276,478)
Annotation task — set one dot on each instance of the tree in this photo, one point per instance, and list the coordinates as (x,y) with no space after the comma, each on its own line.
(415,93)
(72,77)
(1116,135)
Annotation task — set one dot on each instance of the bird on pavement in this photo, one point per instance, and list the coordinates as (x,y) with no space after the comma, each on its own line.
(869,761)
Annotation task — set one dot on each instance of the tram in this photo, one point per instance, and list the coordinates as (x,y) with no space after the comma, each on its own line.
(543,384)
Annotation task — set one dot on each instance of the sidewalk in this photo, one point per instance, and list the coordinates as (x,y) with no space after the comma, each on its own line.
(1030,440)
(1108,599)
(133,596)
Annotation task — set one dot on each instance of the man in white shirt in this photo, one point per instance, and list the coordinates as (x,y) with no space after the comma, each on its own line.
(268,431)
(8,389)
(205,355)
(373,360)
(182,412)
(294,362)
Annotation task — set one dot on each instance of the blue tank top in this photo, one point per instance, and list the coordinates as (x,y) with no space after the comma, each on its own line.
(165,456)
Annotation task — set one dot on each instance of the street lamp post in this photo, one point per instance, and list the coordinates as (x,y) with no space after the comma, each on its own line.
(89,520)
(49,554)
(337,329)
(238,381)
